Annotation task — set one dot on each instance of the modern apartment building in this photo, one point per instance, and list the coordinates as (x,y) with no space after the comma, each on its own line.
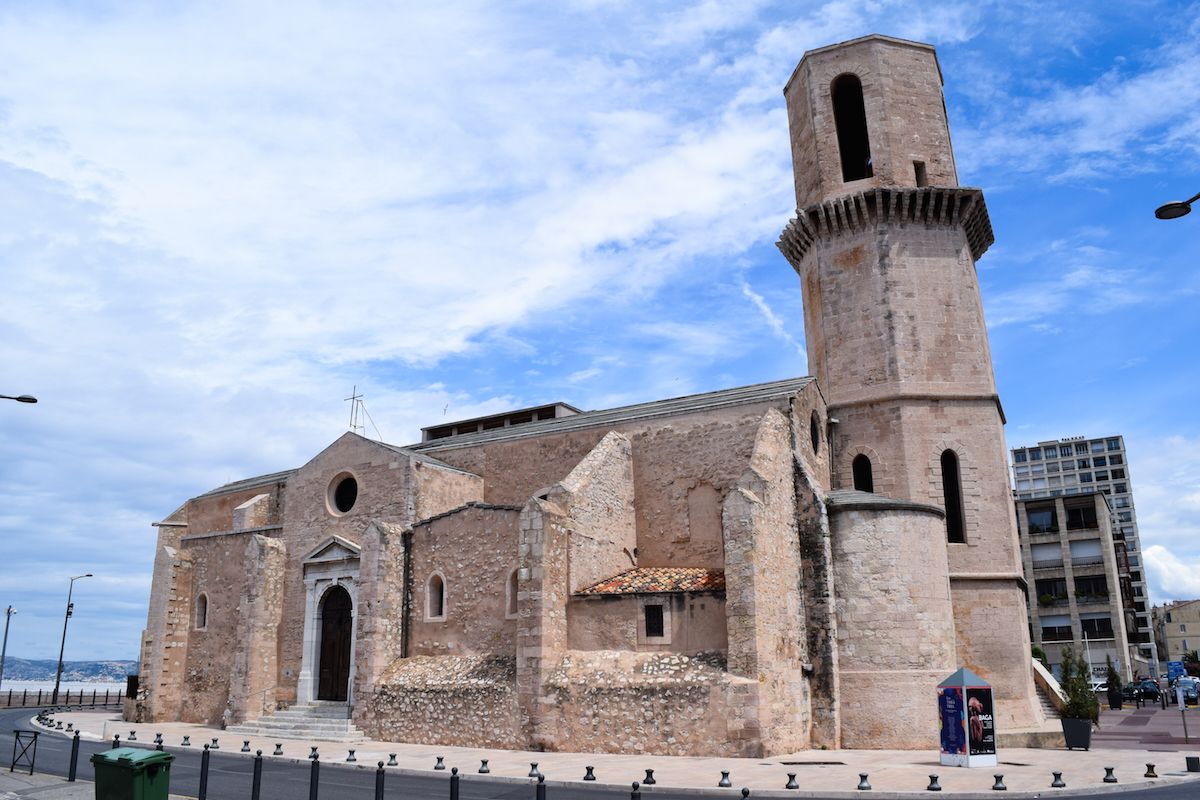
(1080,592)
(1178,627)
(1083,465)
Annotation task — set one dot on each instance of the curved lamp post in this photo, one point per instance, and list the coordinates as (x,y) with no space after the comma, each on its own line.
(61,647)
(1176,208)
(25,398)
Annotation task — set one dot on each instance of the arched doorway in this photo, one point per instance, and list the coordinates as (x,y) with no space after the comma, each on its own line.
(336,640)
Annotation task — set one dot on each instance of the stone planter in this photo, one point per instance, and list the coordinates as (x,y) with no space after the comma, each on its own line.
(1077,733)
(1114,699)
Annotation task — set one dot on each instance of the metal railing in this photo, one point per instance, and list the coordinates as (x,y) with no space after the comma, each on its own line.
(25,698)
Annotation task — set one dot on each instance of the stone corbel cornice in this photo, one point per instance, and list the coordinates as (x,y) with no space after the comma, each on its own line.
(933,206)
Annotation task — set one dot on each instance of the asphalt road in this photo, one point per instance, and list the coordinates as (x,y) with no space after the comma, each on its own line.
(230,776)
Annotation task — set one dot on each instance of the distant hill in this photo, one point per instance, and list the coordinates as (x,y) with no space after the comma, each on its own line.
(23,669)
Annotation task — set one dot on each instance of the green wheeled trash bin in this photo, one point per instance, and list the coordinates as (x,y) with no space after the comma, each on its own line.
(130,773)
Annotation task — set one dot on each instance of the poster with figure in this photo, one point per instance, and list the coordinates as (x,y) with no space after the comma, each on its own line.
(981,725)
(950,721)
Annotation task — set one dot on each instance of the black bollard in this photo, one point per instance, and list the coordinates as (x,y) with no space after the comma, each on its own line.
(187,742)
(314,777)
(74,756)
(379,781)
(245,746)
(636,792)
(202,794)
(862,782)
(350,759)
(483,767)
(215,746)
(649,778)
(933,786)
(791,784)
(440,763)
(391,759)
(724,779)
(1108,775)
(454,779)
(256,781)
(313,754)
(539,793)
(116,742)
(533,770)
(1150,773)
(70,727)
(278,749)
(589,773)
(1058,782)
(999,786)
(745,792)
(158,738)
(132,734)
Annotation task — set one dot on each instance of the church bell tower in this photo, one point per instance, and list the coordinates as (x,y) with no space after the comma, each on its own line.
(885,243)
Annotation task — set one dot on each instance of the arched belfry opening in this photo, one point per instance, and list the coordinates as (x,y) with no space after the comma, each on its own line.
(952,493)
(864,479)
(336,640)
(850,119)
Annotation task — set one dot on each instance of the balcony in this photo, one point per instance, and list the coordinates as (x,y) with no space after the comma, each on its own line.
(1086,561)
(1091,599)
(1056,635)
(1053,563)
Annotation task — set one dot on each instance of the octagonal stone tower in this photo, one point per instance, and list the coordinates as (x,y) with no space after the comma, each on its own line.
(885,243)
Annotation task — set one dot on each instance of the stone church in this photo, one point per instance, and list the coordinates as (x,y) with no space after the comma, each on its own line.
(745,572)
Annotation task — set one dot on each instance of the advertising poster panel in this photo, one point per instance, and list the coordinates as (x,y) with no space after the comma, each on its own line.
(950,721)
(981,724)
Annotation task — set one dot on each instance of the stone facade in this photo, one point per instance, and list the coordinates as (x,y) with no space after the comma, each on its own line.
(689,576)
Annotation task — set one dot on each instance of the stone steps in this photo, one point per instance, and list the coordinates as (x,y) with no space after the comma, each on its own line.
(320,721)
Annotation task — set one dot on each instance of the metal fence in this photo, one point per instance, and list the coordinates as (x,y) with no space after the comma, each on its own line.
(25,698)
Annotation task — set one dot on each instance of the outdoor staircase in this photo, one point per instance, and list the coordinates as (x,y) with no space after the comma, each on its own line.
(320,720)
(1048,708)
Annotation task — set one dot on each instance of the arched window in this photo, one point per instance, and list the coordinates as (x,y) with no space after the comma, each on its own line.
(510,595)
(814,432)
(864,481)
(850,119)
(202,611)
(435,597)
(952,494)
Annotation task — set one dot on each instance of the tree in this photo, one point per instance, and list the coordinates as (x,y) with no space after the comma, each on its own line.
(1080,701)
(1112,675)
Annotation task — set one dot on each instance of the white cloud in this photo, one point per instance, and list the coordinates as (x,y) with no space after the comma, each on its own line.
(1172,577)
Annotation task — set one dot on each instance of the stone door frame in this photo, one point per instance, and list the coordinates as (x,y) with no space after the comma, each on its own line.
(333,563)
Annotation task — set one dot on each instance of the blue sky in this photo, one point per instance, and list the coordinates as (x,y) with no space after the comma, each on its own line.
(218,217)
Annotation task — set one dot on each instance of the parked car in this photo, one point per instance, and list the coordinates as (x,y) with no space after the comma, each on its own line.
(1129,692)
(1191,691)
(1150,690)
(1099,686)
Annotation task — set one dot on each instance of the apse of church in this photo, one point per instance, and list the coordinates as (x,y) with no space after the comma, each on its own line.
(745,572)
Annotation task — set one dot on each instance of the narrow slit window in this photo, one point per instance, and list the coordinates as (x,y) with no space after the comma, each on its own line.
(436,599)
(920,174)
(510,609)
(850,119)
(654,621)
(202,611)
(952,493)
(864,480)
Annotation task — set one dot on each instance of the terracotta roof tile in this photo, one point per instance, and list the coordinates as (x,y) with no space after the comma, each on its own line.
(655,580)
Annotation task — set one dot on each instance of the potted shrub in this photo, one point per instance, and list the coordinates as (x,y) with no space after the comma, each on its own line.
(1080,709)
(1114,686)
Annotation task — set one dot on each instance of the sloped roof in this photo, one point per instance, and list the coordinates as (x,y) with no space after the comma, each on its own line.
(675,406)
(660,580)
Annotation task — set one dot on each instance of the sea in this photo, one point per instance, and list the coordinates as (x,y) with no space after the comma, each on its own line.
(74,686)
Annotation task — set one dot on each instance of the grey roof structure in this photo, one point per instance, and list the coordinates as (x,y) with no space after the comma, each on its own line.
(854,500)
(742,395)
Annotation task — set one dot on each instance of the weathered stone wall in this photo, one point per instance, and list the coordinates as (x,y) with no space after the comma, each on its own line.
(906,120)
(474,550)
(255,668)
(598,496)
(380,609)
(467,701)
(165,639)
(895,623)
(764,610)
(611,622)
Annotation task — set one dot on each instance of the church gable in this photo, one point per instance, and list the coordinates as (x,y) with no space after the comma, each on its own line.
(335,548)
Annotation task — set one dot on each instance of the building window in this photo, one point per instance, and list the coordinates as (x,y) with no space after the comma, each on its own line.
(1042,519)
(1114,444)
(201,611)
(510,595)
(654,621)
(1099,628)
(1081,518)
(1115,460)
(343,493)
(850,119)
(952,494)
(435,597)
(1081,449)
(814,432)
(1182,627)
(1118,474)
(864,481)
(1065,451)
(1085,477)
(1019,456)
(1035,454)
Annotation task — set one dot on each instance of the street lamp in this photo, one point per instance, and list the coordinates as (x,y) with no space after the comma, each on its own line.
(27,398)
(1176,208)
(8,612)
(61,647)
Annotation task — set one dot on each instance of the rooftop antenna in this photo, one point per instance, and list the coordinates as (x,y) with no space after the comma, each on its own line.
(358,412)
